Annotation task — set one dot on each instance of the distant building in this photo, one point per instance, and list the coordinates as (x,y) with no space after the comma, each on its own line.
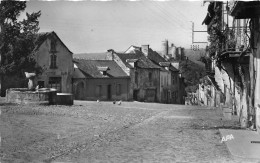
(171,52)
(169,75)
(99,80)
(152,77)
(209,93)
(144,74)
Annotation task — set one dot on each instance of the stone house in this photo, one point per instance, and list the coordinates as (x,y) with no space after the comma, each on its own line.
(144,74)
(169,75)
(99,80)
(56,61)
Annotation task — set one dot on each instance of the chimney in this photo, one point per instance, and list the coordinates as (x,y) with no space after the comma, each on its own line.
(145,50)
(110,54)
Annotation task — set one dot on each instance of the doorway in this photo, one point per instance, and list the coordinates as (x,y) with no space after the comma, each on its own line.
(135,95)
(109,92)
(79,91)
(55,82)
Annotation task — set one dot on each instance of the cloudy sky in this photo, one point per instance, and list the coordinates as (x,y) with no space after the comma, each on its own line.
(96,26)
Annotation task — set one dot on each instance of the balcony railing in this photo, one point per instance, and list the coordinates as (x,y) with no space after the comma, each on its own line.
(236,38)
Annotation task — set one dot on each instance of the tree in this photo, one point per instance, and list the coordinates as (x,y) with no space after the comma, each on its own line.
(17,39)
(192,73)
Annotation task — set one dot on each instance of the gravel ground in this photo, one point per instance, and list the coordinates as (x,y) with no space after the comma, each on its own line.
(103,132)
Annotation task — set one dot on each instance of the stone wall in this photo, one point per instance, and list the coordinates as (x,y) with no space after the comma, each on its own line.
(23,96)
(144,85)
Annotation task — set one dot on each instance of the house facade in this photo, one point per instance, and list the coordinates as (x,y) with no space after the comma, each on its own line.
(52,55)
(55,59)
(165,86)
(171,83)
(99,80)
(209,93)
(144,75)
(234,48)
(249,12)
(153,79)
(165,74)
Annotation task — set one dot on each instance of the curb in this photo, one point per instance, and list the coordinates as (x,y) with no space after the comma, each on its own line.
(238,157)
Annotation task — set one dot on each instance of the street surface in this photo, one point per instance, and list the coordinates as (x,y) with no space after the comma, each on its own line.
(104,132)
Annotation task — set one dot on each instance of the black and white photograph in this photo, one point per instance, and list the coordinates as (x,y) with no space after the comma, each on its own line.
(86,81)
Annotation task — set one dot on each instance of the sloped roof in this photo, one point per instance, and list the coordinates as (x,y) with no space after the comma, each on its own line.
(93,56)
(41,37)
(142,62)
(155,57)
(91,68)
(165,64)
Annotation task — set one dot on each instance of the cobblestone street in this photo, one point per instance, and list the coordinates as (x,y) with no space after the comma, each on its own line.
(103,132)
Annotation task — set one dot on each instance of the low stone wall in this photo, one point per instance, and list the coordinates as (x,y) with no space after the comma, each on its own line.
(24,96)
(42,96)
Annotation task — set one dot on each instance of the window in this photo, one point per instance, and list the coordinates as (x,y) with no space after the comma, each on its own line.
(55,82)
(104,73)
(53,61)
(40,84)
(53,46)
(150,77)
(118,89)
(98,90)
(174,95)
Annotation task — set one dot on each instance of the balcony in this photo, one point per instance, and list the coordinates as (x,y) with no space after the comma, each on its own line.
(244,10)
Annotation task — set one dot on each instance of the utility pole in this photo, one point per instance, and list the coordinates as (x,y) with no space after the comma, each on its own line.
(2,20)
(196,47)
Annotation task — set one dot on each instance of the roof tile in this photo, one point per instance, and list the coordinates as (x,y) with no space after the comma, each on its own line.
(93,68)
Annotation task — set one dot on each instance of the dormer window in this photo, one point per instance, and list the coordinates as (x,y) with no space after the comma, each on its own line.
(103,70)
(53,64)
(132,62)
(166,65)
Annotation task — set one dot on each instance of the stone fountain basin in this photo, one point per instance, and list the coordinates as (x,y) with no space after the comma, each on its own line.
(26,96)
(47,96)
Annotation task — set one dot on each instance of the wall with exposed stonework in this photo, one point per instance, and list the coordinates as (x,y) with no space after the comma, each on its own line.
(147,90)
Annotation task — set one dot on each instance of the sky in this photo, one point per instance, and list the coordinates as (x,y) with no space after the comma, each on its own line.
(96,26)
